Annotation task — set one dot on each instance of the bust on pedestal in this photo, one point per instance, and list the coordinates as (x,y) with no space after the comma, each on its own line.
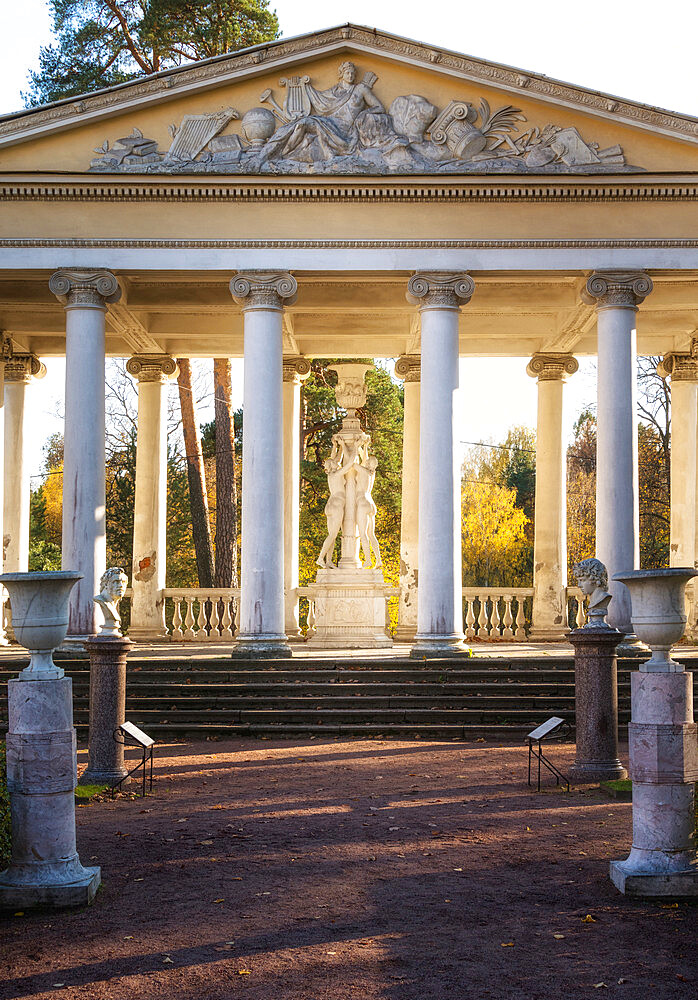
(350,608)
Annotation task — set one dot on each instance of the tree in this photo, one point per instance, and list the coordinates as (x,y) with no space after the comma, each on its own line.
(493,534)
(100,43)
(198,499)
(226,491)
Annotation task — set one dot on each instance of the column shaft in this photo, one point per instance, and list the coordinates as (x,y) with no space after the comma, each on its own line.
(408,367)
(550,527)
(150,506)
(84,525)
(440,608)
(262,577)
(294,369)
(18,376)
(617,494)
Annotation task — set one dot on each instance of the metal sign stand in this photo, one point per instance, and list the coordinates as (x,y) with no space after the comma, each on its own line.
(554,729)
(132,736)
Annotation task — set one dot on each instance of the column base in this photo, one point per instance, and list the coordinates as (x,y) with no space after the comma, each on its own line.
(111,778)
(141,633)
(547,635)
(295,636)
(439,647)
(261,647)
(594,772)
(655,885)
(21,890)
(405,633)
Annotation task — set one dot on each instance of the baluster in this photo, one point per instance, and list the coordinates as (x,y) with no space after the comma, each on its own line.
(496,617)
(201,633)
(508,632)
(581,612)
(237,616)
(189,633)
(214,606)
(311,617)
(470,619)
(482,629)
(520,631)
(177,619)
(226,621)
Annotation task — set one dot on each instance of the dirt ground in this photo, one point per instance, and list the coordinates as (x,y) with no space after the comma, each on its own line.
(333,869)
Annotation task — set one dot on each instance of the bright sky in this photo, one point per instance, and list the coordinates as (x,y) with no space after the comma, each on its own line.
(639,51)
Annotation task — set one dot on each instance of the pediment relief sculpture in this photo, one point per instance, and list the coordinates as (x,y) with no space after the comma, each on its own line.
(347,130)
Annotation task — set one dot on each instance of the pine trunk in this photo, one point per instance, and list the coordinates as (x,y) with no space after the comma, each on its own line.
(226,490)
(198,500)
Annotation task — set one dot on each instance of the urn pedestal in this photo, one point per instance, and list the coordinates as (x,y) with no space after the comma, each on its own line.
(663,742)
(45,869)
(107,709)
(350,610)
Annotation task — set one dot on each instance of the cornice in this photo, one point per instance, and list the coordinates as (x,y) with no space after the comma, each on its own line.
(575,189)
(328,244)
(262,58)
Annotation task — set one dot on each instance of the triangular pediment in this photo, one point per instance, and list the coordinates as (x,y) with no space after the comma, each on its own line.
(288,108)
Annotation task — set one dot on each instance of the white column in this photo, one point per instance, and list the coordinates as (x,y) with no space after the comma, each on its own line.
(440,607)
(408,368)
(20,370)
(550,526)
(85,295)
(683,369)
(150,507)
(295,369)
(617,296)
(5,355)
(261,295)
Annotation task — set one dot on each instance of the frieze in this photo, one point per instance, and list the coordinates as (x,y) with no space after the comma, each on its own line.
(290,244)
(348,130)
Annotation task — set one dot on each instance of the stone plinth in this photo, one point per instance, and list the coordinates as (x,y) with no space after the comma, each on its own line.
(350,610)
(664,768)
(41,776)
(107,710)
(596,705)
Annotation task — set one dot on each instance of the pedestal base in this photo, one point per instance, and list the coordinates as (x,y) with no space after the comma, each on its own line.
(111,778)
(15,895)
(350,610)
(653,885)
(589,773)
(247,648)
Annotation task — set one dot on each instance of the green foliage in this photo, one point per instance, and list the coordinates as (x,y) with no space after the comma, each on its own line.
(86,792)
(44,556)
(5,826)
(101,43)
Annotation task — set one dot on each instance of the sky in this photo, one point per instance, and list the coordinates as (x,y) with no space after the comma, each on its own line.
(639,51)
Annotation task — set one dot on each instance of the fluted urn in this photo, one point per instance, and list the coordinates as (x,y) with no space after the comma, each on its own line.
(658,615)
(39,603)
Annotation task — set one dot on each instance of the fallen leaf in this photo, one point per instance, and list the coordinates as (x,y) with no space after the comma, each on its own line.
(392,829)
(681,978)
(167,960)
(19,913)
(621,981)
(129,937)
(138,880)
(559,937)
(588,919)
(219,900)
(507,944)
(670,906)
(57,984)
(330,952)
(458,869)
(244,972)
(598,986)
(207,843)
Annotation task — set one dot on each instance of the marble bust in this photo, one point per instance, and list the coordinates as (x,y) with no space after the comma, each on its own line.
(112,588)
(593,582)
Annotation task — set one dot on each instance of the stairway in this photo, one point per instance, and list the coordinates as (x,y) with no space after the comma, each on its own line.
(488,697)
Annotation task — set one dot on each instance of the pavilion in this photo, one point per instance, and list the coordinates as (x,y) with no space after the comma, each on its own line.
(348,193)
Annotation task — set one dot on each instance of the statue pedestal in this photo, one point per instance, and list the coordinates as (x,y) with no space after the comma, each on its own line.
(350,610)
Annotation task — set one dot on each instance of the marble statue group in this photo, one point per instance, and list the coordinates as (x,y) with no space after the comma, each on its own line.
(351,471)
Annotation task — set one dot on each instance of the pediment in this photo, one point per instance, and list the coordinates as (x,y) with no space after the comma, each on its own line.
(295,107)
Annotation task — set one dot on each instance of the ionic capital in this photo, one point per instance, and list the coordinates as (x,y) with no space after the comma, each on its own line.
(550,367)
(408,367)
(439,289)
(296,369)
(85,288)
(263,289)
(24,368)
(619,289)
(152,368)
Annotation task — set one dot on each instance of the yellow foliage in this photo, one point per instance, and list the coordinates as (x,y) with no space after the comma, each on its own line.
(493,532)
(52,490)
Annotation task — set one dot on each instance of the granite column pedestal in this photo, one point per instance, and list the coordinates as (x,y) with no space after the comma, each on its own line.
(45,869)
(596,705)
(107,710)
